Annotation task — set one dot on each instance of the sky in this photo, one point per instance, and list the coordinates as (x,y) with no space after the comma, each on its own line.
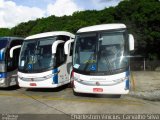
(13,12)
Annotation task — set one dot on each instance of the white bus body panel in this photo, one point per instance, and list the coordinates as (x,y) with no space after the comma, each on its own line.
(45,83)
(101,27)
(48,34)
(111,84)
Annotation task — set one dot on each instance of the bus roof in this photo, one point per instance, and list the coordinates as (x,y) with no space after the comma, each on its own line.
(101,27)
(48,34)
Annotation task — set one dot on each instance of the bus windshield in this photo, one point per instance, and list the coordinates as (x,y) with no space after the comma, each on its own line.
(103,52)
(36,55)
(3,42)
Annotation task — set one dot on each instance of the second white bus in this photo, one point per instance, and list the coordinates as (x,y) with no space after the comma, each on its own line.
(43,62)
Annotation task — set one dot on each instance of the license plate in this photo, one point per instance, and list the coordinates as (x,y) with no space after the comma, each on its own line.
(97,89)
(33,84)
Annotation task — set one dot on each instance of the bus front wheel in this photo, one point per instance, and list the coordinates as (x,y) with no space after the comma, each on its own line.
(75,93)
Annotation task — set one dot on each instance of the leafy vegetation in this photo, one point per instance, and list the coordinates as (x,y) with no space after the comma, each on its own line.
(142,18)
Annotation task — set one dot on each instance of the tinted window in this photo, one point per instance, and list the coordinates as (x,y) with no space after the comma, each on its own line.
(60,55)
(71,49)
(36,55)
(12,63)
(104,52)
(3,42)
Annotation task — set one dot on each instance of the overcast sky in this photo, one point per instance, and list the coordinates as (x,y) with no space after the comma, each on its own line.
(13,12)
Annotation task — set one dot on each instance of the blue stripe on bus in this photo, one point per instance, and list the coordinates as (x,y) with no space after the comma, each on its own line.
(1,55)
(127,81)
(127,85)
(3,75)
(127,73)
(55,77)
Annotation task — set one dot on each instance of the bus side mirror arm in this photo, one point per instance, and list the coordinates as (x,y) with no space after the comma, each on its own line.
(55,44)
(66,46)
(131,42)
(12,49)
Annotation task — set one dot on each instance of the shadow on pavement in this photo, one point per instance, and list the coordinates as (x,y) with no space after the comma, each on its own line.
(15,87)
(96,95)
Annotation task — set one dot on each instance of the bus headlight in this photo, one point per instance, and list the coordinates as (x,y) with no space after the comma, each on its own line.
(121,79)
(36,78)
(2,80)
(49,76)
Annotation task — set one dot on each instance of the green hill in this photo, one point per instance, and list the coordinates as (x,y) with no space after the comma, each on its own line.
(142,18)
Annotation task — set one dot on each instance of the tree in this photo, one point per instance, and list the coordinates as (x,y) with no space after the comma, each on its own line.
(142,18)
(4,32)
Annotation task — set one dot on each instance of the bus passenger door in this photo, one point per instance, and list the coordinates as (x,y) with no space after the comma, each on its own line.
(12,63)
(68,48)
(61,59)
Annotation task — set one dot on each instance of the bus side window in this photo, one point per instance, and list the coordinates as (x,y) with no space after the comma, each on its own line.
(12,63)
(60,55)
(66,38)
(63,37)
(71,49)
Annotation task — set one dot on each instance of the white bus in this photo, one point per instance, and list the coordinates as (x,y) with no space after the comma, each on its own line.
(43,62)
(9,54)
(101,59)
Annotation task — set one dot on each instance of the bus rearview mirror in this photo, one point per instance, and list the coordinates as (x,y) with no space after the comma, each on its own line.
(131,42)
(12,49)
(66,46)
(55,44)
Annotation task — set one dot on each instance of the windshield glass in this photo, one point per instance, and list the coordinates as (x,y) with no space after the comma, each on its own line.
(103,52)
(3,42)
(85,51)
(111,52)
(36,55)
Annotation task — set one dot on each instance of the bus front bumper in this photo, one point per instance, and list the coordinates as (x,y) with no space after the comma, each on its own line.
(6,82)
(3,82)
(117,89)
(47,83)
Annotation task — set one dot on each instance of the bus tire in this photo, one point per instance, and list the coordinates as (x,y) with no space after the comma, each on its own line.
(75,93)
(69,85)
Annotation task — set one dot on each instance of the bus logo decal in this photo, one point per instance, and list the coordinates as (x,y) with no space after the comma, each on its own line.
(97,83)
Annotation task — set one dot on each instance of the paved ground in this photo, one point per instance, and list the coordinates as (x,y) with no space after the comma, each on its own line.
(147,85)
(62,101)
(146,81)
